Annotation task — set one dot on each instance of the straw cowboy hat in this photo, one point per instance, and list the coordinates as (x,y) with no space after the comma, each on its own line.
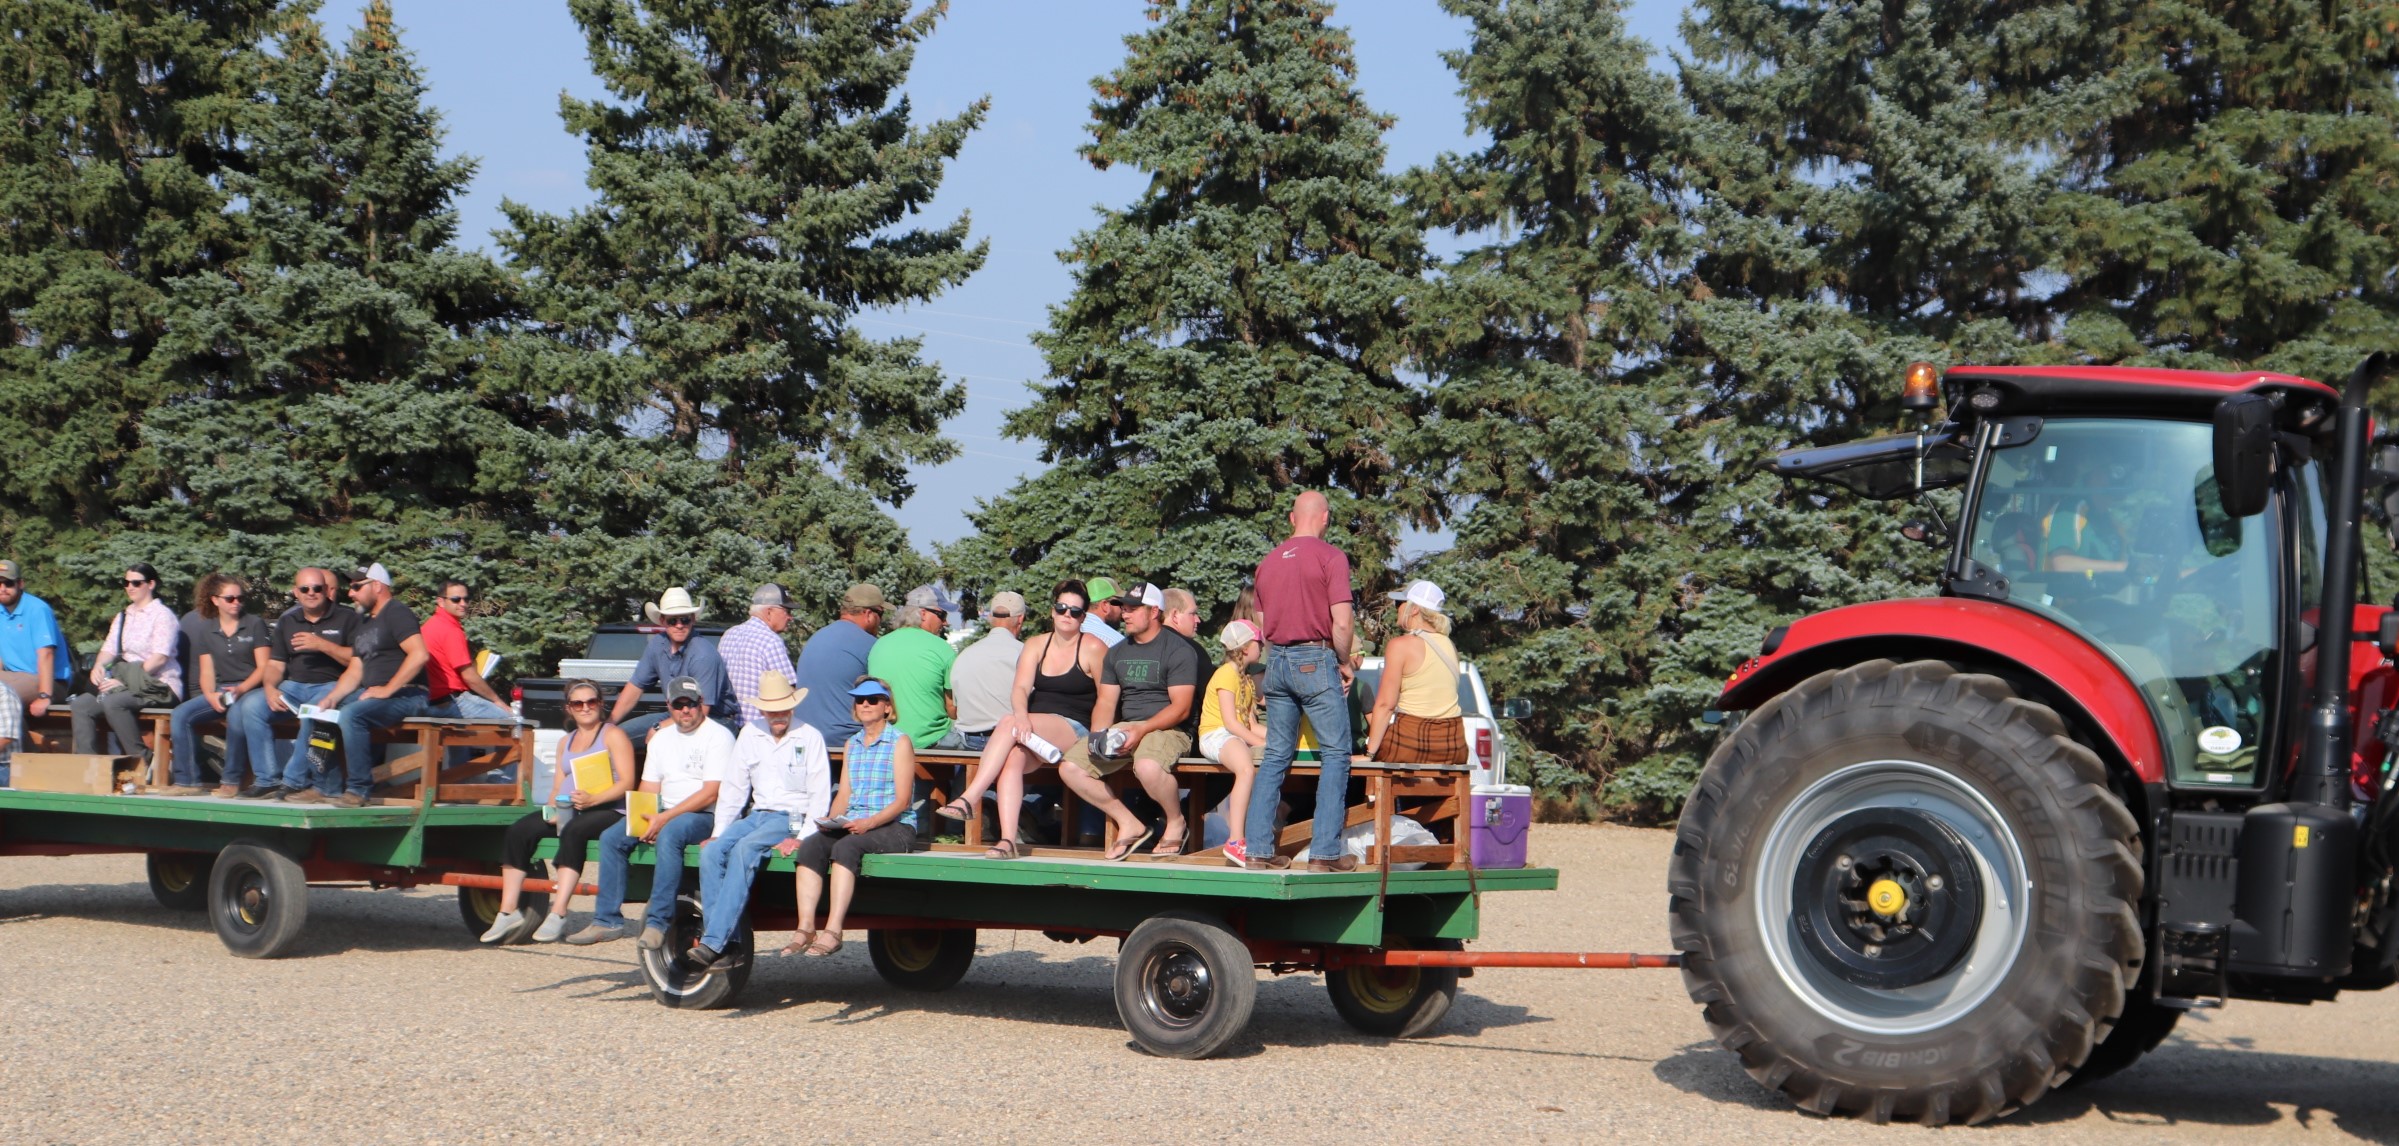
(775,693)
(672,603)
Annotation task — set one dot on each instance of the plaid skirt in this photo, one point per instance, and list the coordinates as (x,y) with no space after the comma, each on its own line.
(1419,740)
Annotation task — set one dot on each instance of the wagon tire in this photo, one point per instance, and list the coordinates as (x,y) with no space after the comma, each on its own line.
(1396,1002)
(179,880)
(921,959)
(1905,997)
(1185,985)
(257,899)
(675,982)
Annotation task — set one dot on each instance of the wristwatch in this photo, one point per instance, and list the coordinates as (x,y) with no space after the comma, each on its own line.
(41,696)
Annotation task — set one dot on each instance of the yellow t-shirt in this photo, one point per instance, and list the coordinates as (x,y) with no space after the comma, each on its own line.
(1228,678)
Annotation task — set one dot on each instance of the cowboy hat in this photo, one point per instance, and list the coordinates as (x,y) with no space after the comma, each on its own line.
(672,603)
(775,693)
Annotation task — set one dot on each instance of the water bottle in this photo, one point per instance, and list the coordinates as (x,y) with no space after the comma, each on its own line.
(516,710)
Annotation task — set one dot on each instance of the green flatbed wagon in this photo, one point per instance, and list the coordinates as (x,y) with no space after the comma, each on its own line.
(1193,935)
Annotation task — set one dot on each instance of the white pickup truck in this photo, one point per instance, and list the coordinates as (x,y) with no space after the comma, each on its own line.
(1486,741)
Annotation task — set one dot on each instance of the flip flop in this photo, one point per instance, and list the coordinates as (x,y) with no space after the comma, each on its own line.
(1124,850)
(954,810)
(824,943)
(1002,850)
(798,944)
(1170,847)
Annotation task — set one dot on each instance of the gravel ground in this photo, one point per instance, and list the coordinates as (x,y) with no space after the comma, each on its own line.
(131,1023)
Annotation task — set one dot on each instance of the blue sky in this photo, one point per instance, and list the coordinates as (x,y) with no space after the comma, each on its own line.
(496,69)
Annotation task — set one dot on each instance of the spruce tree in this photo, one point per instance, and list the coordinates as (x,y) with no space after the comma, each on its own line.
(2237,204)
(1234,333)
(1552,397)
(326,381)
(118,124)
(702,411)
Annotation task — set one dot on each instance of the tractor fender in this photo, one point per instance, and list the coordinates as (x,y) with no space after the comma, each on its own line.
(2084,681)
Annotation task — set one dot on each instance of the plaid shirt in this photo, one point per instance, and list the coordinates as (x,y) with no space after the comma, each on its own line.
(12,723)
(750,650)
(866,768)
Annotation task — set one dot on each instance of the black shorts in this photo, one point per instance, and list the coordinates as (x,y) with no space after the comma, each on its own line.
(822,850)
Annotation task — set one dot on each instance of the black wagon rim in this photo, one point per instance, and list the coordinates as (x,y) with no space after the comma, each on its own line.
(1177,985)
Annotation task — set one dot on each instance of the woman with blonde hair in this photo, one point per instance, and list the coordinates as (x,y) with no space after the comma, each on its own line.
(1232,731)
(1416,718)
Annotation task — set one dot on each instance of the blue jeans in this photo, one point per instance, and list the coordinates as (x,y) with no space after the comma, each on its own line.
(187,741)
(260,720)
(666,876)
(361,716)
(729,864)
(1303,680)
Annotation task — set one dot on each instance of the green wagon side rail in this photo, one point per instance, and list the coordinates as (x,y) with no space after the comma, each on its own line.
(391,835)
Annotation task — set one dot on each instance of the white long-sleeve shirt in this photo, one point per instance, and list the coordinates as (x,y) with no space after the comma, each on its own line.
(792,775)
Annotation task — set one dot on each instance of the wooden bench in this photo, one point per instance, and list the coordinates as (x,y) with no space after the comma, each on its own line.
(1434,795)
(399,781)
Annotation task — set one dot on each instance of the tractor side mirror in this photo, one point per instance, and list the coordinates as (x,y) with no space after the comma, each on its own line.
(1518,708)
(2244,453)
(2387,638)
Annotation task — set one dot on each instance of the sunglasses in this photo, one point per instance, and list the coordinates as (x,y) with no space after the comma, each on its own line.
(1075,611)
(310,588)
(135,582)
(9,583)
(593,702)
(680,705)
(230,598)
(455,600)
(855,701)
(677,622)
(357,585)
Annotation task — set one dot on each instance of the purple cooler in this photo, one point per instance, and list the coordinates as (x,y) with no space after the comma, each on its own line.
(1500,816)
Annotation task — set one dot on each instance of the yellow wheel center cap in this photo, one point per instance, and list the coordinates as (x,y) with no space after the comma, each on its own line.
(1886,897)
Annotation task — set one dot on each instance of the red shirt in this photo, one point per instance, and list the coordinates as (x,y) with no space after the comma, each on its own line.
(1299,582)
(445,654)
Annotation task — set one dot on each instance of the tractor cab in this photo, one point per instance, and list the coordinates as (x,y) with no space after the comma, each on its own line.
(2130,760)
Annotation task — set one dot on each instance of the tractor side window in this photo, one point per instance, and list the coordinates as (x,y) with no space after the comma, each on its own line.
(2113,528)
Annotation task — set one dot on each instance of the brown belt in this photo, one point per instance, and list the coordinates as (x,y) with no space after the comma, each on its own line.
(1316,642)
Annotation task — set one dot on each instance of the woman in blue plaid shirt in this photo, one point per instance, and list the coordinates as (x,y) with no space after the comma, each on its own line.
(873,812)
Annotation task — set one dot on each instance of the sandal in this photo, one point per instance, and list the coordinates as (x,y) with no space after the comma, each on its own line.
(824,943)
(798,944)
(1169,847)
(1002,850)
(957,810)
(1125,848)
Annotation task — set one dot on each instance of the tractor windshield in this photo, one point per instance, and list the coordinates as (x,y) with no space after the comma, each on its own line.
(2113,528)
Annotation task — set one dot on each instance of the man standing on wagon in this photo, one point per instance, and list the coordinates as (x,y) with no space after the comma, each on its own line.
(1304,592)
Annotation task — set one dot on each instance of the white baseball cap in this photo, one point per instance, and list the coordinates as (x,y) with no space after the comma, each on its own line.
(1237,633)
(1422,594)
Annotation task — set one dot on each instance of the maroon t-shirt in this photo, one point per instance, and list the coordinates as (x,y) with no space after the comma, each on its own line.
(1299,582)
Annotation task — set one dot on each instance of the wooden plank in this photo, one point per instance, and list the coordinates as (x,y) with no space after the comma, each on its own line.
(476,793)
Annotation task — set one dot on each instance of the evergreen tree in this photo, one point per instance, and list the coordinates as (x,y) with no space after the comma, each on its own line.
(117,125)
(1234,333)
(702,412)
(326,407)
(1553,399)
(2237,204)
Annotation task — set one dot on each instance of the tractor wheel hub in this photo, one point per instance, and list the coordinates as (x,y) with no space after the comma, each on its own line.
(1886,898)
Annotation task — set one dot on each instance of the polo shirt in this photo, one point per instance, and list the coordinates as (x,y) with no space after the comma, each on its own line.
(23,632)
(446,652)
(339,625)
(830,664)
(916,664)
(697,659)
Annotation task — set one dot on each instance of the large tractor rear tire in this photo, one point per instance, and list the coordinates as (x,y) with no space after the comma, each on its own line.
(2139,1030)
(1901,891)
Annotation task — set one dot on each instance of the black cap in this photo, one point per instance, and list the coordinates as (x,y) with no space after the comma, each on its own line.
(684,688)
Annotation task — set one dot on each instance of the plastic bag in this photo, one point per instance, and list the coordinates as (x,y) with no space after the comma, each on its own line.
(1405,833)
(1216,827)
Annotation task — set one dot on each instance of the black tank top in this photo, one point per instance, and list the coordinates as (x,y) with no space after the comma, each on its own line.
(1071,694)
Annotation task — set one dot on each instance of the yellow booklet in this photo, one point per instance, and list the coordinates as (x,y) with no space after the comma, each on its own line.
(593,771)
(640,809)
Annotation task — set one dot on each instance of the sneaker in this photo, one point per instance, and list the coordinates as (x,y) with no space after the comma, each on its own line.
(1236,854)
(1337,863)
(178,790)
(652,939)
(551,928)
(263,792)
(596,934)
(305,796)
(349,800)
(503,925)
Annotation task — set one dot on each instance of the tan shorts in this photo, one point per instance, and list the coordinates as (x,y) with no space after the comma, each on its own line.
(1164,746)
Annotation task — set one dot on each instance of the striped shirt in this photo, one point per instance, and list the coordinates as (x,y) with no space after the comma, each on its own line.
(751,649)
(867,769)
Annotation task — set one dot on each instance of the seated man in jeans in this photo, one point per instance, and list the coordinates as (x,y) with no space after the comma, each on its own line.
(688,759)
(305,659)
(781,769)
(377,691)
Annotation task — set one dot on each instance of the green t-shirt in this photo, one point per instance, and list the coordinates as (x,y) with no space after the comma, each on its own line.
(916,664)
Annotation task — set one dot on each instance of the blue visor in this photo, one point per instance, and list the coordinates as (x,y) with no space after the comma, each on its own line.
(870,688)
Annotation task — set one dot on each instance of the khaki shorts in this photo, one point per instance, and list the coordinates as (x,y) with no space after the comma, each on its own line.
(1164,746)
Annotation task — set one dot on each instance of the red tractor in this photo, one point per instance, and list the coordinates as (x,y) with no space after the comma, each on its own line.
(2130,761)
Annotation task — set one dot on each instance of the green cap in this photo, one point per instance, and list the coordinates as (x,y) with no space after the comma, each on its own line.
(1100,589)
